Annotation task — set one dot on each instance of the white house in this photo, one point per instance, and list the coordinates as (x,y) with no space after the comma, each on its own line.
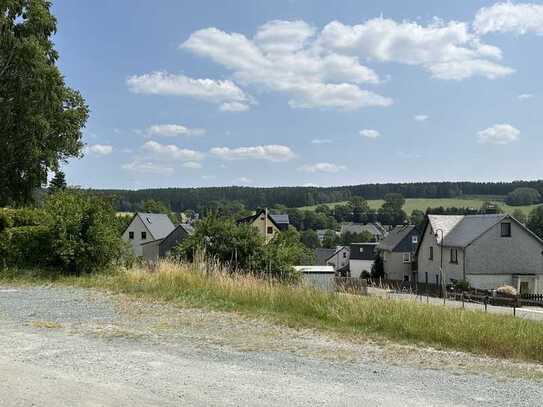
(340,259)
(146,227)
(361,259)
(488,251)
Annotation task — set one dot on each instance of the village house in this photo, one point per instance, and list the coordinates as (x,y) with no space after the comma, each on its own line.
(361,258)
(487,251)
(376,230)
(154,250)
(340,260)
(146,227)
(268,225)
(398,252)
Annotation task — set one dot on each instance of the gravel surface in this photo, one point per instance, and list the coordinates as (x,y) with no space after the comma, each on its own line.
(67,346)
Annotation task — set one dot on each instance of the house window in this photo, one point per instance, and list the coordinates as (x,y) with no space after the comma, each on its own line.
(143,235)
(431,256)
(414,239)
(407,257)
(454,256)
(131,235)
(506,230)
(270,230)
(361,250)
(344,255)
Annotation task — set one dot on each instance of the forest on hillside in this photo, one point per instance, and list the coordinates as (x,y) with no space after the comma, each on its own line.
(199,199)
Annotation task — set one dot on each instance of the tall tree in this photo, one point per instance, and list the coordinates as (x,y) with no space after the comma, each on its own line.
(41,117)
(519,215)
(58,183)
(535,221)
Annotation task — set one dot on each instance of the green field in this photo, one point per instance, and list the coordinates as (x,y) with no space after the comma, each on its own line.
(424,203)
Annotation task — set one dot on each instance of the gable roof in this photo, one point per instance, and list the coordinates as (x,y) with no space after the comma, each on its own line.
(252,218)
(396,236)
(337,251)
(462,230)
(322,254)
(363,251)
(361,227)
(158,224)
(280,218)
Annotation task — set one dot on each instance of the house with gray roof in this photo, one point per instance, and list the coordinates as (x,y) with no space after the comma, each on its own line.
(154,250)
(487,251)
(361,258)
(397,250)
(322,254)
(146,227)
(376,230)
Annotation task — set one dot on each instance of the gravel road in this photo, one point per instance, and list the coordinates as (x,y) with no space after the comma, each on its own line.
(67,346)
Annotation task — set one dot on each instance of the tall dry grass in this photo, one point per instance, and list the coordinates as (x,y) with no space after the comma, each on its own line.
(211,286)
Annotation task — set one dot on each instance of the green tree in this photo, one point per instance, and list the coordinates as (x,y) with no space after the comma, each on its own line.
(417,218)
(519,215)
(152,206)
(310,239)
(57,183)
(41,118)
(82,232)
(330,240)
(360,209)
(535,221)
(523,196)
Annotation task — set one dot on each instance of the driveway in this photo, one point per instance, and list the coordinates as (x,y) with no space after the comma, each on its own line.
(67,346)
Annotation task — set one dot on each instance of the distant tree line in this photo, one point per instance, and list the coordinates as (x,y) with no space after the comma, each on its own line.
(199,199)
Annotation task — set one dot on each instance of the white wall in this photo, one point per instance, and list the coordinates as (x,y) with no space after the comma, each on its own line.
(137,226)
(323,281)
(356,267)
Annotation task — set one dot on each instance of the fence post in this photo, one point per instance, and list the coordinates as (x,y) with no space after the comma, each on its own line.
(462,296)
(486,303)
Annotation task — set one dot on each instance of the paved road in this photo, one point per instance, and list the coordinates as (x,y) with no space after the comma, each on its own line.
(527,312)
(66,347)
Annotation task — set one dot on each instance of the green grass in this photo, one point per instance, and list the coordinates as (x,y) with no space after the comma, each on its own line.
(424,203)
(365,317)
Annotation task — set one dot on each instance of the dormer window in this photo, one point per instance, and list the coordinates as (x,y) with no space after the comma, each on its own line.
(506,229)
(414,239)
(148,219)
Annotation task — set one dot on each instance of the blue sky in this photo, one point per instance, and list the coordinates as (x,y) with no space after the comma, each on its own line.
(302,92)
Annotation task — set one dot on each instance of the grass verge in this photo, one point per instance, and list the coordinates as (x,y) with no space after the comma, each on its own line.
(471,331)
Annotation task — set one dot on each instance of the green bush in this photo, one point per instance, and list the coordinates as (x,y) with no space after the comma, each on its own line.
(25,246)
(82,232)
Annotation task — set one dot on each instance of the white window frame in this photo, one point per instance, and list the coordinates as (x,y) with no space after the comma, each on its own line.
(414,239)
(406,258)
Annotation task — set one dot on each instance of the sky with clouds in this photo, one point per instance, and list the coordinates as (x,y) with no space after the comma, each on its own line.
(304,92)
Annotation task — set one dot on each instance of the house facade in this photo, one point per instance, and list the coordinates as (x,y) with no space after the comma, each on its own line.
(160,248)
(398,252)
(146,227)
(265,224)
(361,259)
(488,251)
(340,258)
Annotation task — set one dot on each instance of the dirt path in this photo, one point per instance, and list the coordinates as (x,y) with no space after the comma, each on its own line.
(65,347)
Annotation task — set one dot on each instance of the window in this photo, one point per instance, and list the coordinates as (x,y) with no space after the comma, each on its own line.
(407,257)
(143,235)
(270,230)
(506,230)
(131,235)
(361,250)
(431,256)
(414,239)
(344,255)
(454,256)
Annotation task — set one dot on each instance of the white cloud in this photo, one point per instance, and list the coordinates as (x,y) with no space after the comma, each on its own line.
(171,152)
(420,117)
(498,134)
(310,184)
(446,50)
(192,164)
(322,167)
(269,152)
(147,167)
(519,18)
(243,180)
(173,130)
(234,107)
(283,57)
(525,96)
(321,141)
(163,83)
(369,133)
(100,149)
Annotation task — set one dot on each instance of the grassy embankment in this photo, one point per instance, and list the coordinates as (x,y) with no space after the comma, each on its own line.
(472,331)
(424,203)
